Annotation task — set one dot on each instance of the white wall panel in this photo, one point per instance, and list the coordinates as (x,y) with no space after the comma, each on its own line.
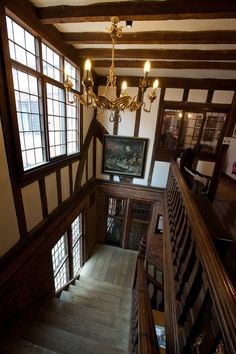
(32,205)
(99,173)
(9,227)
(174,94)
(126,126)
(90,160)
(160,174)
(147,130)
(199,96)
(224,97)
(51,191)
(103,116)
(205,167)
(65,183)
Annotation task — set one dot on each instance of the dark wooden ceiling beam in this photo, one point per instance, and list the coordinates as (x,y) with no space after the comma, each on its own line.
(178,82)
(167,64)
(153,37)
(188,54)
(138,11)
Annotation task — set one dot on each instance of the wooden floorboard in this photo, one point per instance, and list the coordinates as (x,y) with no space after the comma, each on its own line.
(112,265)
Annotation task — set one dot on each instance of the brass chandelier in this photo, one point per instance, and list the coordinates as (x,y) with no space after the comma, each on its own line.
(116,104)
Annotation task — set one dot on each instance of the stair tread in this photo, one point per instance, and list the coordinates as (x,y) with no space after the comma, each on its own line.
(105,283)
(105,288)
(65,342)
(89,329)
(102,305)
(98,295)
(21,346)
(87,313)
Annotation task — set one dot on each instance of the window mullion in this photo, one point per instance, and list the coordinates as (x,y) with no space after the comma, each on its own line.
(70,252)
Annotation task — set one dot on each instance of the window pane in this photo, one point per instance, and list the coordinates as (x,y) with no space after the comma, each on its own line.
(60,262)
(212,129)
(30,122)
(51,63)
(191,129)
(56,120)
(71,73)
(22,44)
(76,228)
(170,128)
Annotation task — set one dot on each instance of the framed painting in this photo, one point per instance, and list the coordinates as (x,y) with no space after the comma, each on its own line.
(124,155)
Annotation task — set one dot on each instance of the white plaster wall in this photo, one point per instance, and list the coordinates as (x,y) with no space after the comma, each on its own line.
(147,130)
(90,160)
(126,126)
(224,97)
(103,116)
(65,183)
(87,119)
(8,220)
(205,167)
(75,166)
(32,205)
(99,173)
(51,191)
(160,174)
(197,96)
(174,94)
(230,158)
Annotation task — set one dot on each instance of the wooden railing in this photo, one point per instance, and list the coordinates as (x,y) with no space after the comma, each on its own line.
(142,334)
(200,306)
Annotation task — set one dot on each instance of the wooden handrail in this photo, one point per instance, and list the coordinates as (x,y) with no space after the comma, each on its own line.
(222,293)
(144,337)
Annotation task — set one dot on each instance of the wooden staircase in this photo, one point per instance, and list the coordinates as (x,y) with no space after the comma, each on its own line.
(92,316)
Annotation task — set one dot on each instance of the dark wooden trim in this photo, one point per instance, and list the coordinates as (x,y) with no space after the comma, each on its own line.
(116,122)
(221,154)
(137,11)
(6,102)
(100,131)
(70,253)
(138,114)
(59,192)
(166,64)
(181,82)
(185,95)
(91,132)
(157,134)
(56,223)
(229,178)
(185,54)
(43,196)
(209,96)
(153,37)
(94,155)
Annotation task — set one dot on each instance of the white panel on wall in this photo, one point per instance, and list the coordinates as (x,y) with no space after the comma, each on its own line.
(205,167)
(51,191)
(65,183)
(75,166)
(160,174)
(197,96)
(126,126)
(174,94)
(90,160)
(88,114)
(230,158)
(103,116)
(99,173)
(8,220)
(32,205)
(224,97)
(147,130)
